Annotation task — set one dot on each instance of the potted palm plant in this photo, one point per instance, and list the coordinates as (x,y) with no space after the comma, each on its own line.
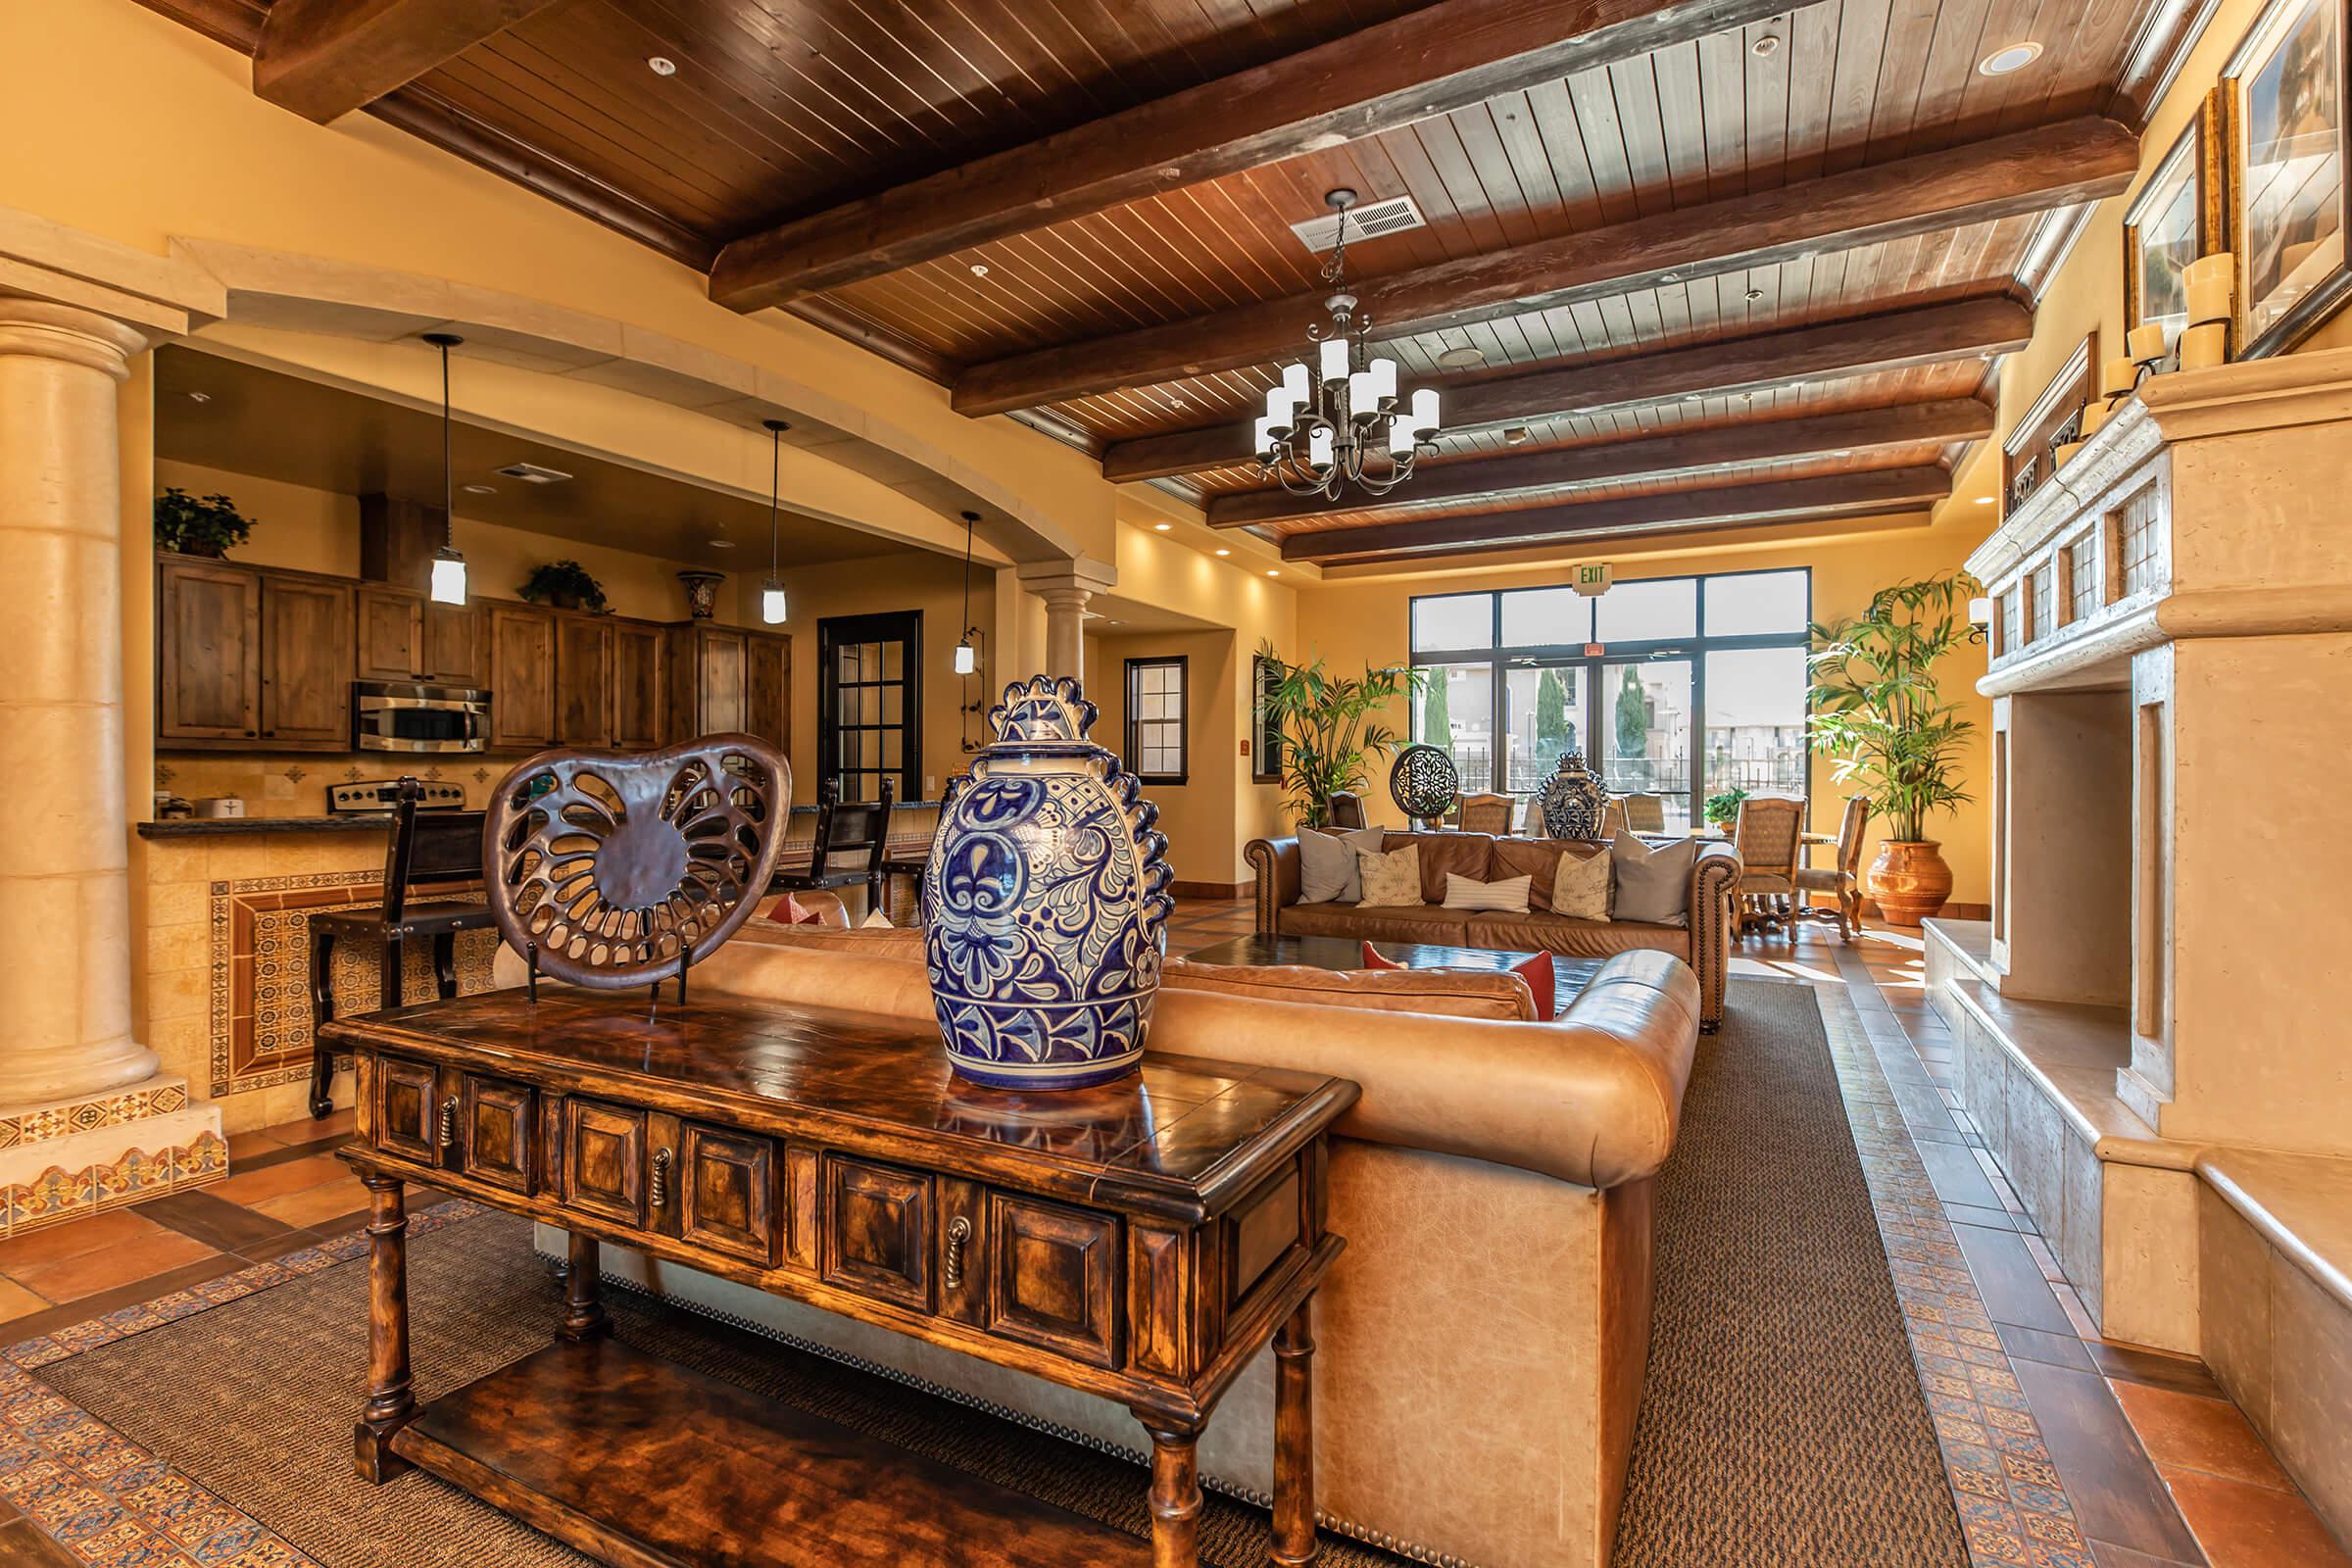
(1877,710)
(1329,728)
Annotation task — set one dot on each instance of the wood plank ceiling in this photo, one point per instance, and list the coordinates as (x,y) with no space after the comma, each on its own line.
(1683,261)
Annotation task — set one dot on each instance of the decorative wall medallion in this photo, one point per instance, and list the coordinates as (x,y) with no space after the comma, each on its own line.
(1046,893)
(1574,798)
(1424,782)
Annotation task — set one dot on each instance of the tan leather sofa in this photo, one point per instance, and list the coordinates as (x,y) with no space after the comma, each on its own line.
(1482,1341)
(1704,943)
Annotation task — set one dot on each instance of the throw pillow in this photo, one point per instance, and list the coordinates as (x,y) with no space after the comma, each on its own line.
(876,920)
(1580,888)
(1536,969)
(1327,871)
(1508,897)
(1653,886)
(789,910)
(1391,880)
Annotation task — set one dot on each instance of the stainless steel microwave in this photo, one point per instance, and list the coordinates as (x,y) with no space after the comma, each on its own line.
(400,715)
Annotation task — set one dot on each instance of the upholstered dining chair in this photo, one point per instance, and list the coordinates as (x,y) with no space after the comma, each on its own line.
(1612,819)
(1345,809)
(1768,835)
(1843,880)
(1486,813)
(1644,814)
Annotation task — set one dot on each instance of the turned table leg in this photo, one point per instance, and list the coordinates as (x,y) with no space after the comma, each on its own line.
(1295,1544)
(1175,1500)
(583,1314)
(391,1404)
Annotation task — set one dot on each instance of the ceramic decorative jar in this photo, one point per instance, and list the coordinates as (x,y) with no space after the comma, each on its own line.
(701,591)
(1048,903)
(1574,798)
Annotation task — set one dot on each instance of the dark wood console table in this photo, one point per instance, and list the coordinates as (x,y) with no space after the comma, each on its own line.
(1142,1242)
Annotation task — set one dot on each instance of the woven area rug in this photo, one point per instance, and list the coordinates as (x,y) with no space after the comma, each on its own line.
(1784,1422)
(1782,1425)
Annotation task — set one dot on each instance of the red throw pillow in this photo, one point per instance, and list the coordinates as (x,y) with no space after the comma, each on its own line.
(789,910)
(1536,969)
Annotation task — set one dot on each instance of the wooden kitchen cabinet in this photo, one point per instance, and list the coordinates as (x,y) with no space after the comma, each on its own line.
(583,680)
(306,663)
(768,698)
(721,678)
(522,678)
(391,633)
(207,651)
(453,645)
(636,686)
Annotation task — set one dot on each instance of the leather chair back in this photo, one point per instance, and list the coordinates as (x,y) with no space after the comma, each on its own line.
(854,831)
(428,849)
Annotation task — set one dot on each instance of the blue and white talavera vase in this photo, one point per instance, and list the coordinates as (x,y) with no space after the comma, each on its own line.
(1574,798)
(1048,903)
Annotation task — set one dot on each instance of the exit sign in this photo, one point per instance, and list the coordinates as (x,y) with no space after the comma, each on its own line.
(1592,580)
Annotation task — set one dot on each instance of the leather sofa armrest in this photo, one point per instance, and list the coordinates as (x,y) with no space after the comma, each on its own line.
(1276,863)
(1714,875)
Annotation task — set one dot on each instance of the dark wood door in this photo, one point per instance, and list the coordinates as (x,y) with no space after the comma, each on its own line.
(583,681)
(453,644)
(207,651)
(768,689)
(306,663)
(391,641)
(636,687)
(522,678)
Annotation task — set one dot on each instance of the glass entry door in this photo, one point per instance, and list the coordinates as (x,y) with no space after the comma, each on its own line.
(1641,720)
(869,705)
(1547,717)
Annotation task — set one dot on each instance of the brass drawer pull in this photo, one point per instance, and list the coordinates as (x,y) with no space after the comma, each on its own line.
(658,1192)
(959,1231)
(448,1124)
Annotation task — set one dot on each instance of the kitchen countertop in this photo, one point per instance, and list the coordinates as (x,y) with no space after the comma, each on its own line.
(191,828)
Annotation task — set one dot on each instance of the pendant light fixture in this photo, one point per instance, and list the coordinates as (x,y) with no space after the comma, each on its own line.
(771,592)
(448,568)
(967,656)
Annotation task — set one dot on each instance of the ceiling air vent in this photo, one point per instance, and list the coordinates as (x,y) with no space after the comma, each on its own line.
(1368,222)
(533,473)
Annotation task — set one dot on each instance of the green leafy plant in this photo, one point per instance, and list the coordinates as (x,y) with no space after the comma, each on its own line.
(1876,705)
(564,584)
(1556,731)
(199,525)
(1329,728)
(1723,808)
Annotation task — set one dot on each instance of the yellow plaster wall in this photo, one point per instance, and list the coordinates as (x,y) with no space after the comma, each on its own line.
(1199,815)
(1360,621)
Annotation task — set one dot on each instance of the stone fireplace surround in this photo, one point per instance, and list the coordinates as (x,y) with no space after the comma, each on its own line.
(2154,1038)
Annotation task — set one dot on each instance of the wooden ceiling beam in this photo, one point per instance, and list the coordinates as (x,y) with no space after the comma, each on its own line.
(2025,172)
(1430,62)
(1890,340)
(322,59)
(1667,452)
(1871,490)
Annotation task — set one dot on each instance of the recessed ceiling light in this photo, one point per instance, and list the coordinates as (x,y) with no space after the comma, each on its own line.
(722,544)
(1770,43)
(1271,572)
(1843,452)
(979,269)
(1983,501)
(2001,61)
(479,489)
(1754,294)
(1222,551)
(1463,356)
(1161,527)
(662,65)
(1670,277)
(200,396)
(1516,435)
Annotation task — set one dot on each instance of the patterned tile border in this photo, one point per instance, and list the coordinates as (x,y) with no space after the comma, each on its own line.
(57,1194)
(2013,1508)
(106,1501)
(48,1123)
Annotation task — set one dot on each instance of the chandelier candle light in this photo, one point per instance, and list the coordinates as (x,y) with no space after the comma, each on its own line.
(1324,425)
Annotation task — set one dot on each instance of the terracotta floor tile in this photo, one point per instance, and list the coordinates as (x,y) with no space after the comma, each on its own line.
(69,1279)
(313,1205)
(245,1145)
(17,1302)
(116,1227)
(2183,1432)
(2109,1555)
(2132,1363)
(2240,1526)
(275,1181)
(2115,1491)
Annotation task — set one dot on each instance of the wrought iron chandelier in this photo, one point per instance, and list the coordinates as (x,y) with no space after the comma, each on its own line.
(1340,423)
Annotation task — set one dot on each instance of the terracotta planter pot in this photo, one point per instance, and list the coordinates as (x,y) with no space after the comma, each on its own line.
(1909,880)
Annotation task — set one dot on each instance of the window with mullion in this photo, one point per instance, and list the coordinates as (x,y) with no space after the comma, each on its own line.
(1155,720)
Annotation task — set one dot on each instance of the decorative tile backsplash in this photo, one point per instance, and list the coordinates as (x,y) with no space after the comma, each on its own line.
(282,786)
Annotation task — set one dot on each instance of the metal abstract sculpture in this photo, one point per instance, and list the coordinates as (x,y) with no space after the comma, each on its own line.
(1424,782)
(612,870)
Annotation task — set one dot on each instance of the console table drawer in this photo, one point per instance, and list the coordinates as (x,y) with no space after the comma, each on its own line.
(496,1130)
(877,1225)
(1054,1277)
(603,1159)
(728,1193)
(407,1109)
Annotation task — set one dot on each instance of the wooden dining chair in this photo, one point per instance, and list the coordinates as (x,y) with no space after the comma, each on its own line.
(1486,813)
(1644,814)
(851,841)
(1842,879)
(430,851)
(1345,809)
(1768,834)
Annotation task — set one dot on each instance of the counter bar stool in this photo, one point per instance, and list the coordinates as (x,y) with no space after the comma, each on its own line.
(852,839)
(430,851)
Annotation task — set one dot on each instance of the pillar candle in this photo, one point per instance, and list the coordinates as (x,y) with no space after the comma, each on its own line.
(2094,415)
(2209,298)
(2146,343)
(2062,452)
(2220,264)
(2117,377)
(2203,347)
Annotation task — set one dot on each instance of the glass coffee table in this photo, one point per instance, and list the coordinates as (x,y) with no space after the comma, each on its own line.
(1569,975)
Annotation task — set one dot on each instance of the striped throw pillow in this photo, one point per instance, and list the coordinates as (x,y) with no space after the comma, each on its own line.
(1510,897)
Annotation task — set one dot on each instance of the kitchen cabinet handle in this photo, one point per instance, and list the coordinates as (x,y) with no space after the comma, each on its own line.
(657,1194)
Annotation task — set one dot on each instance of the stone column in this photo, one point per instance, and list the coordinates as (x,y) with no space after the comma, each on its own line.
(65,893)
(1066,587)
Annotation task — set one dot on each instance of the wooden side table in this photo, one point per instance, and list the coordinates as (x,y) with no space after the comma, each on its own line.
(1142,1241)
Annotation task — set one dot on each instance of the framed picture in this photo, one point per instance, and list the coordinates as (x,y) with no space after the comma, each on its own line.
(2054,416)
(2177,218)
(2285,98)
(1265,731)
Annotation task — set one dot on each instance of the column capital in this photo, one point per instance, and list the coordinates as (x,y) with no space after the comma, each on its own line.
(1081,573)
(47,330)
